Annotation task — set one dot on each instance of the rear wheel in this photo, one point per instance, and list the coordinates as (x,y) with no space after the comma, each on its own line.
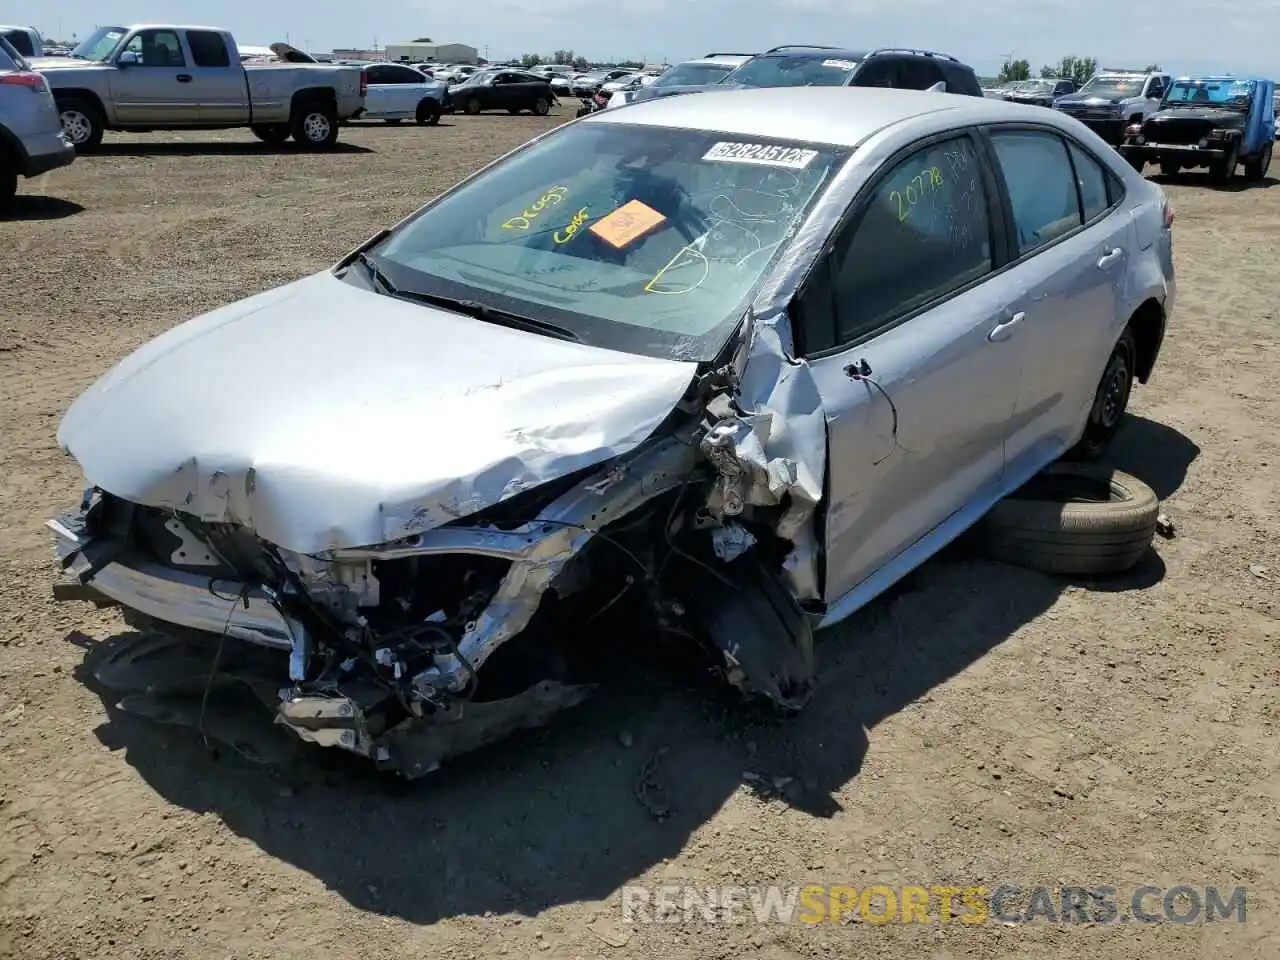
(82,122)
(428,113)
(8,183)
(315,125)
(272,133)
(542,106)
(1256,169)
(1110,400)
(1138,163)
(1169,168)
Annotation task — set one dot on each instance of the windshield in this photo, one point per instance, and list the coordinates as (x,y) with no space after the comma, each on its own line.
(1234,94)
(635,238)
(694,75)
(479,78)
(816,70)
(99,44)
(1113,88)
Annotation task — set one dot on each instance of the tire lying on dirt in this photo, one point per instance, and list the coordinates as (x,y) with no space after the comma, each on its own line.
(1075,519)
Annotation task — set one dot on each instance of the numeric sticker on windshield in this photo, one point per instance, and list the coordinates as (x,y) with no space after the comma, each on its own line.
(761,154)
(840,64)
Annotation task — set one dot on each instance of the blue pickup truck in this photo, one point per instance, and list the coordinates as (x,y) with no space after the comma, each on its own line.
(1214,122)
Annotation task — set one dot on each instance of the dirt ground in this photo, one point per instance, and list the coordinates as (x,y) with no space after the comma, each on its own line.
(981,726)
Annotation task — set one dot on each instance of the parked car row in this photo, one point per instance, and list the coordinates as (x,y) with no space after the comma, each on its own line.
(1215,122)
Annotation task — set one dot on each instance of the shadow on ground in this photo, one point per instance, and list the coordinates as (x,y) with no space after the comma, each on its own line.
(1202,178)
(215,148)
(28,207)
(568,813)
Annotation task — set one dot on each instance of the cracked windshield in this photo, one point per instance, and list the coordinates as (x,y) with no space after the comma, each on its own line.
(639,239)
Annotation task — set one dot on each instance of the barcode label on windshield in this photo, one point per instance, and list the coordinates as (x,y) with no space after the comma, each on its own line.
(765,155)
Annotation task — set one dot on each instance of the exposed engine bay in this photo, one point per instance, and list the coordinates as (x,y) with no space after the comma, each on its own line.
(428,646)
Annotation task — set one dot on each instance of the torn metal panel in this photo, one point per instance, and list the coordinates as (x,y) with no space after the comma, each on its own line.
(318,424)
(768,443)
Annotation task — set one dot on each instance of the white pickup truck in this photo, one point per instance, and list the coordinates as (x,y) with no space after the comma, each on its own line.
(164,77)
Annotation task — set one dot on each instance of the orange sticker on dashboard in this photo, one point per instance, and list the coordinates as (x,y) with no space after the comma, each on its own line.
(626,224)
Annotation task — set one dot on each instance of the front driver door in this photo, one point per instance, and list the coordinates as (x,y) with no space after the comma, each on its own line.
(918,381)
(158,87)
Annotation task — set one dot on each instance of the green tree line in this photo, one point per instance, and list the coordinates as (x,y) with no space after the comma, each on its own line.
(1070,67)
(569,57)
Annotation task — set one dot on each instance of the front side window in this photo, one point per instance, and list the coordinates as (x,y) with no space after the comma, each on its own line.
(636,238)
(157,48)
(924,234)
(810,70)
(1041,185)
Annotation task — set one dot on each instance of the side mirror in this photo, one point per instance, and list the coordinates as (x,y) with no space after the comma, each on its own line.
(127,59)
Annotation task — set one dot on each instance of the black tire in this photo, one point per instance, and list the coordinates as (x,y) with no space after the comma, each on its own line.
(272,133)
(82,121)
(1110,401)
(1074,519)
(428,114)
(1256,169)
(1138,163)
(472,106)
(513,110)
(542,106)
(314,125)
(8,183)
(1222,171)
(1169,168)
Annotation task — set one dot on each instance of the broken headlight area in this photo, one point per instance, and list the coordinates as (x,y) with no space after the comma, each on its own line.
(426,647)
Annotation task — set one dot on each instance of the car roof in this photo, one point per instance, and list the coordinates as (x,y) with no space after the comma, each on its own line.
(842,116)
(800,50)
(1224,77)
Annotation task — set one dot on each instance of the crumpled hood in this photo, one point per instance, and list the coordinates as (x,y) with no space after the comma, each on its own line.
(322,415)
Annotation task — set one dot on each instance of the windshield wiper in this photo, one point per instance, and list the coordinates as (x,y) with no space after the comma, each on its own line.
(480,311)
(470,308)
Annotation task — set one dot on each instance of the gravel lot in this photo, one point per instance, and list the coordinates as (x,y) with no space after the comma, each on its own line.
(983,725)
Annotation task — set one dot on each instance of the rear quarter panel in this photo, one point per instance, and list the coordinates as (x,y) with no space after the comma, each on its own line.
(272,86)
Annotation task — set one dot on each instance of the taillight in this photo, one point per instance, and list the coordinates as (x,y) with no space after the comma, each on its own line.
(1168,214)
(364,83)
(32,81)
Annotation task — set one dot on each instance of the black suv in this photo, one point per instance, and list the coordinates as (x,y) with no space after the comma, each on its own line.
(801,65)
(810,65)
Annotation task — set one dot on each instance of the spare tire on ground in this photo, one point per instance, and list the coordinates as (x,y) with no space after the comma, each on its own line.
(1075,519)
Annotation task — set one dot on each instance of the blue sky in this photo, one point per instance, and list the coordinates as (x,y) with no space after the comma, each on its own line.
(1175,33)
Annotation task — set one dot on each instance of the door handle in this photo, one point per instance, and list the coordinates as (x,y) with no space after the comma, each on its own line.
(1003,331)
(1110,257)
(184,78)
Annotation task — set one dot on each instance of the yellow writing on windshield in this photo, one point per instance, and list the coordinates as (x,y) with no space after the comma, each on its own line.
(552,198)
(572,227)
(916,189)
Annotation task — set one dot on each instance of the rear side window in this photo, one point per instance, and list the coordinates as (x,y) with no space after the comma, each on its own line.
(1041,184)
(1091,180)
(208,49)
(918,74)
(961,80)
(923,234)
(21,41)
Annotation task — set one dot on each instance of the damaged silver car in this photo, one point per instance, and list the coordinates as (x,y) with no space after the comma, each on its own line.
(741,359)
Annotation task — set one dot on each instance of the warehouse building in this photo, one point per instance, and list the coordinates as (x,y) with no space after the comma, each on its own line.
(440,52)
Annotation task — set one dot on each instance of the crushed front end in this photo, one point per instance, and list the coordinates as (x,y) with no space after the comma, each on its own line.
(413,651)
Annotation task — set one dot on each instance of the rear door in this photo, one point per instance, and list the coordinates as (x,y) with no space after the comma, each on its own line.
(1071,248)
(217,84)
(158,88)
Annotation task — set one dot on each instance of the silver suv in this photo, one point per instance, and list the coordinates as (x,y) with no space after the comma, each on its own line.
(31,137)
